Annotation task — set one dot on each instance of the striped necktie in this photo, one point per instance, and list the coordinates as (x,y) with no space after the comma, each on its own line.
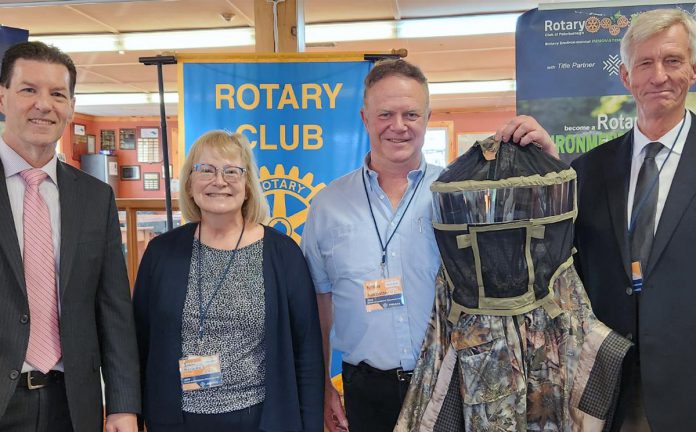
(40,276)
(645,206)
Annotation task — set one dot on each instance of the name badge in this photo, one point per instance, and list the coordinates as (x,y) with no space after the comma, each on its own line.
(381,294)
(636,276)
(200,372)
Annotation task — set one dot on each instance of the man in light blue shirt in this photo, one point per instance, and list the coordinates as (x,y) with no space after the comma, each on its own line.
(371,250)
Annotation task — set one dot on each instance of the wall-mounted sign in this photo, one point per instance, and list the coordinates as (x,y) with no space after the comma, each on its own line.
(149,132)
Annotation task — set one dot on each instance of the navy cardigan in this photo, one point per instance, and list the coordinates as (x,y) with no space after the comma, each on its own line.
(294,364)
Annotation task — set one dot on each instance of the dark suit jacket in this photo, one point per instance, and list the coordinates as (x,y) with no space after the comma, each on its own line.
(294,364)
(666,330)
(96,319)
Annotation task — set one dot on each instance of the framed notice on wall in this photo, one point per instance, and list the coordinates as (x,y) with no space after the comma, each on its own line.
(108,139)
(126,139)
(151,181)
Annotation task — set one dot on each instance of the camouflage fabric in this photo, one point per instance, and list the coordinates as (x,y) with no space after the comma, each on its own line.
(527,372)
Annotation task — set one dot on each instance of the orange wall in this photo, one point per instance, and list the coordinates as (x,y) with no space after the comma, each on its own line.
(66,146)
(463,122)
(127,188)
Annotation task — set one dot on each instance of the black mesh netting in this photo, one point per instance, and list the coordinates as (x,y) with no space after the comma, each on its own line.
(502,253)
(512,160)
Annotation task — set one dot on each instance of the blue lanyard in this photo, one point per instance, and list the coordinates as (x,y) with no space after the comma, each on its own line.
(374,221)
(203,312)
(644,198)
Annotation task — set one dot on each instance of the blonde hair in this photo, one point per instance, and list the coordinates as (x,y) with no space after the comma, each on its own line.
(226,145)
(653,22)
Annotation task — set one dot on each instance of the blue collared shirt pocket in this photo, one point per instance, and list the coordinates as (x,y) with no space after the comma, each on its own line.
(355,253)
(422,229)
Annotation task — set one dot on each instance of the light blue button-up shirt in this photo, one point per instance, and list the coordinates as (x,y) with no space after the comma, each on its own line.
(343,250)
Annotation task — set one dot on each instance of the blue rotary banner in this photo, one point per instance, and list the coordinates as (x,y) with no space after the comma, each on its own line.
(567,62)
(8,37)
(301,116)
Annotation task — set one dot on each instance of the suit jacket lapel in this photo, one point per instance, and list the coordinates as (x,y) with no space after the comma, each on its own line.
(681,194)
(70,222)
(8,235)
(617,171)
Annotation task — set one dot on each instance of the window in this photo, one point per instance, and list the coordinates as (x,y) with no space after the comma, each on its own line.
(438,141)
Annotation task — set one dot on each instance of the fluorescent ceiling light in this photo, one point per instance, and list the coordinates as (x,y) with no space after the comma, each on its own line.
(412,28)
(457,26)
(466,87)
(63,2)
(354,31)
(188,39)
(144,41)
(81,43)
(97,99)
(314,34)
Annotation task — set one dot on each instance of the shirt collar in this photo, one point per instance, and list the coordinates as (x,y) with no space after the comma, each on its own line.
(13,163)
(640,140)
(413,174)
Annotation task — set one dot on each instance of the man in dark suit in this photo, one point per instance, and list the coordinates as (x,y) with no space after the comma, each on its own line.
(636,226)
(65,310)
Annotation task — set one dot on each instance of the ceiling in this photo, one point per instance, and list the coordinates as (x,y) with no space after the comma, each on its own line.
(443,59)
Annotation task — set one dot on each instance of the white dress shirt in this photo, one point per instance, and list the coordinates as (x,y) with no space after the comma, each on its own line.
(13,164)
(665,159)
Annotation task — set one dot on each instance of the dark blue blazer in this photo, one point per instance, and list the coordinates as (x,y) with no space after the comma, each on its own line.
(294,364)
(665,328)
(96,319)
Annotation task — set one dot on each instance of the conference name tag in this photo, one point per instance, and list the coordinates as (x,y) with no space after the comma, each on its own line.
(200,372)
(381,294)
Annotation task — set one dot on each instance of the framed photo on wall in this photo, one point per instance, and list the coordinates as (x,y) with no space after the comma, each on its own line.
(149,132)
(126,139)
(108,139)
(151,181)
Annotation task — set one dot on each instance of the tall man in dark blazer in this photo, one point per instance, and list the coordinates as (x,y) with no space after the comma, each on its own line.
(66,316)
(630,189)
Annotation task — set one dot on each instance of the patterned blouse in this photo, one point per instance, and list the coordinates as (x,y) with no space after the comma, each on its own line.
(233,328)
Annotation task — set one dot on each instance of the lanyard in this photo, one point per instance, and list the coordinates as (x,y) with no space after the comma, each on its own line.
(644,198)
(374,221)
(203,312)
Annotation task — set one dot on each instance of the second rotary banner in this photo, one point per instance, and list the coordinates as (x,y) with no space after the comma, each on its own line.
(300,112)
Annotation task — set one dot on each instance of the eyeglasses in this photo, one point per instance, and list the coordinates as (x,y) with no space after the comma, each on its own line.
(207,172)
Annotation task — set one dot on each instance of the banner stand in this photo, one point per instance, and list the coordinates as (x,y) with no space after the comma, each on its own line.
(159,61)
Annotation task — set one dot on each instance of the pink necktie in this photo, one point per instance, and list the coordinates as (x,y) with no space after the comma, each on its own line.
(40,276)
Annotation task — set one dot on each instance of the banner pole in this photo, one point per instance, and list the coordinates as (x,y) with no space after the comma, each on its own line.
(159,61)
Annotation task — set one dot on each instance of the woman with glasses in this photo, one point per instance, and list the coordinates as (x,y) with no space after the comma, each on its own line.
(225,309)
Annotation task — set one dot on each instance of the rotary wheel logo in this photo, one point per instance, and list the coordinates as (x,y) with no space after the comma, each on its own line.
(613,24)
(289,197)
